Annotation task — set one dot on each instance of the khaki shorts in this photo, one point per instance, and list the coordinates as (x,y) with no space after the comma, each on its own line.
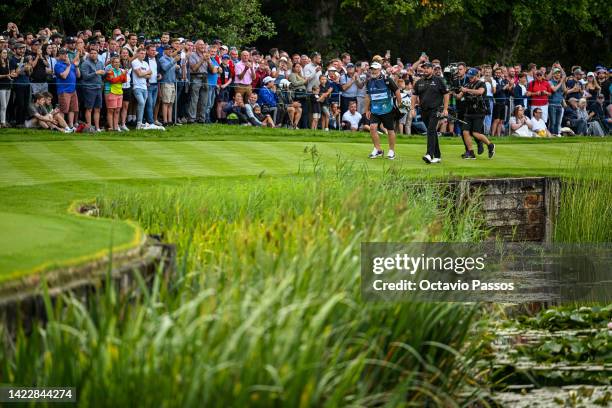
(168,93)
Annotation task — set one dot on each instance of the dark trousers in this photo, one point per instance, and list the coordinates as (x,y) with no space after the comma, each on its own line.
(22,101)
(431,121)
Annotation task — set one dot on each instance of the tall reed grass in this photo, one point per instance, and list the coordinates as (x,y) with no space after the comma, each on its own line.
(264,308)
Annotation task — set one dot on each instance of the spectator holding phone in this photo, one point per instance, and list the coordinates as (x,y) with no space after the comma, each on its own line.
(66,73)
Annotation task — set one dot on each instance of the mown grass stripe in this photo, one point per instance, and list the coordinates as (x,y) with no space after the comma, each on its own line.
(36,169)
(9,172)
(91,162)
(61,158)
(120,165)
(234,161)
(195,161)
(165,162)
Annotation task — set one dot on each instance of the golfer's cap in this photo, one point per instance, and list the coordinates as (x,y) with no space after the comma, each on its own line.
(267,79)
(375,65)
(591,74)
(472,72)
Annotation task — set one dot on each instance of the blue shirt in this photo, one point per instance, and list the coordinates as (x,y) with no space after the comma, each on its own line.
(267,97)
(167,70)
(89,78)
(557,96)
(67,85)
(213,78)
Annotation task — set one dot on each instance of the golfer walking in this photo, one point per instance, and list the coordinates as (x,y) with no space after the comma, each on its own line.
(433,96)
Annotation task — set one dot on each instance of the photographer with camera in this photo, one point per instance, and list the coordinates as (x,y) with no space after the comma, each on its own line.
(475,111)
(456,76)
(432,94)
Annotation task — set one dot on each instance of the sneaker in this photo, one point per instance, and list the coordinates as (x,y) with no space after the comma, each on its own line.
(491,148)
(427,159)
(140,126)
(480,148)
(72,129)
(68,130)
(118,129)
(99,130)
(376,154)
(91,129)
(391,155)
(436,160)
(157,123)
(469,155)
(124,128)
(327,129)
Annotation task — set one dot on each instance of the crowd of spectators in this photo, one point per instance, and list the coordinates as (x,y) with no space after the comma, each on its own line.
(94,81)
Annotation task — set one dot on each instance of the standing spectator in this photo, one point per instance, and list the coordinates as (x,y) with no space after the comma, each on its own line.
(5,86)
(539,90)
(131,45)
(315,106)
(555,108)
(198,64)
(575,87)
(531,72)
(226,79)
(168,80)
(312,71)
(126,65)
(361,69)
(113,91)
(519,92)
(152,86)
(38,77)
(244,75)
(22,68)
(605,81)
(490,84)
(591,89)
(213,78)
(66,74)
(298,86)
(140,73)
(502,88)
(50,53)
(92,72)
(349,83)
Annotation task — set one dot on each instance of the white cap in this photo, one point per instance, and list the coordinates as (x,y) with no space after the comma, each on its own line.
(590,74)
(267,79)
(375,65)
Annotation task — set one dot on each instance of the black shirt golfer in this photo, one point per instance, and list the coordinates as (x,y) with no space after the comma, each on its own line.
(433,96)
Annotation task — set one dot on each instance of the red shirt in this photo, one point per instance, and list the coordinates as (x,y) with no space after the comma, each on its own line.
(539,85)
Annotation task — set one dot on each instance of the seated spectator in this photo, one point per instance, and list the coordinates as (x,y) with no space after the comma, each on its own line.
(268,99)
(600,114)
(538,126)
(520,125)
(249,106)
(351,118)
(38,117)
(265,119)
(572,119)
(335,122)
(55,113)
(236,111)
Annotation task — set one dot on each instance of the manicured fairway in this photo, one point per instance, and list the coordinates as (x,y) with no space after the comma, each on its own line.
(40,176)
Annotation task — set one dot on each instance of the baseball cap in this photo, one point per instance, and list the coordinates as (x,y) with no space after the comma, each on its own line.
(350,65)
(375,65)
(20,45)
(332,69)
(579,72)
(572,99)
(427,64)
(62,51)
(70,40)
(472,72)
(224,47)
(555,70)
(591,74)
(267,79)
(283,59)
(225,56)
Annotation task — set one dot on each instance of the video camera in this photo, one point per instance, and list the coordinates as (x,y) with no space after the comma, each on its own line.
(450,76)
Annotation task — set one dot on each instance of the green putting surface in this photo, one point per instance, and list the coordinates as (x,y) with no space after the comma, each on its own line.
(40,177)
